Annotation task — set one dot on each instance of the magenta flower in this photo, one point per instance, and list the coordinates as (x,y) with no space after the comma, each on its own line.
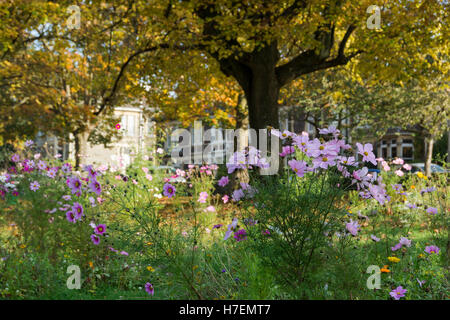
(202,197)
(124,253)
(286,150)
(34,186)
(15,158)
(100,229)
(66,168)
(432,249)
(223,181)
(91,172)
(77,210)
(217,226)
(366,152)
(169,190)
(74,184)
(95,239)
(70,216)
(149,288)
(95,187)
(240,235)
(398,293)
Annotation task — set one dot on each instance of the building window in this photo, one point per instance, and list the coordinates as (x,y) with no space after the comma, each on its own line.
(408,152)
(393,151)
(131,125)
(384,153)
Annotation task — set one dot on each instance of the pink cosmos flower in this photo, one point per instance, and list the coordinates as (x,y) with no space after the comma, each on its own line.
(202,197)
(225,198)
(95,187)
(52,173)
(67,197)
(74,184)
(100,229)
(15,158)
(324,161)
(405,242)
(169,190)
(238,195)
(71,216)
(398,293)
(66,168)
(34,186)
(95,239)
(42,165)
(238,161)
(77,209)
(432,249)
(286,150)
(301,141)
(29,143)
(330,130)
(223,181)
(407,167)
(399,173)
(149,177)
(149,288)
(91,172)
(385,166)
(366,152)
(398,161)
(145,170)
(299,167)
(210,209)
(352,227)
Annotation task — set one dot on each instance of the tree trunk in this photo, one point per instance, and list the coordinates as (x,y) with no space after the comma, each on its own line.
(242,122)
(77,150)
(448,141)
(263,90)
(428,155)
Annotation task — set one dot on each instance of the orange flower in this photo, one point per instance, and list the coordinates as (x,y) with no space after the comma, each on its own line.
(385,269)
